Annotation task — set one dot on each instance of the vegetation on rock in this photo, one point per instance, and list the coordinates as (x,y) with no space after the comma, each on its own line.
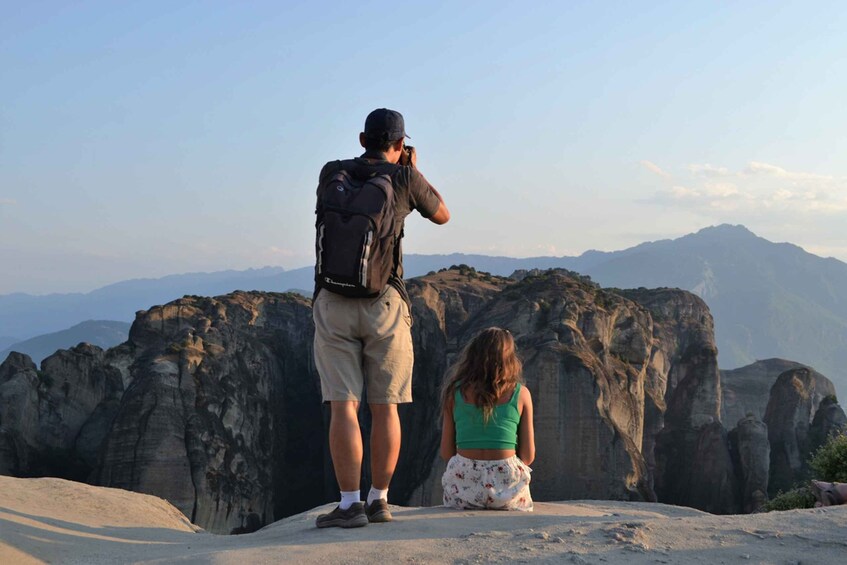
(829,464)
(830,461)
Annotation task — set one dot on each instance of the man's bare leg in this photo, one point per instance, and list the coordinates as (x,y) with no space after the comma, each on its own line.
(385,443)
(345,444)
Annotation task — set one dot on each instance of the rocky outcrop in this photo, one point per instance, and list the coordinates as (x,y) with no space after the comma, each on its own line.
(53,421)
(746,390)
(585,352)
(793,401)
(829,420)
(214,403)
(222,416)
(19,396)
(689,450)
(441,305)
(751,456)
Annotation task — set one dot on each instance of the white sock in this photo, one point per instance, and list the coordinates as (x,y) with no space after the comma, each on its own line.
(349,498)
(376,494)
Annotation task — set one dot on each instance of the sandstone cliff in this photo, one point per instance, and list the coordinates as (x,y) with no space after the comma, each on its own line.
(222,416)
(690,458)
(214,403)
(441,304)
(585,353)
(746,390)
(751,457)
(53,421)
(794,399)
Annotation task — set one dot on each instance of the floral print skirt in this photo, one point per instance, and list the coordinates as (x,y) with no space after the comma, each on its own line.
(473,484)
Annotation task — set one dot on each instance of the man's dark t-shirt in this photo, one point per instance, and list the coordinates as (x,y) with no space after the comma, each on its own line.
(411,192)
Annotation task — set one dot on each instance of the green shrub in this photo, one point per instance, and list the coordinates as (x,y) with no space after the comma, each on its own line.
(829,463)
(800,497)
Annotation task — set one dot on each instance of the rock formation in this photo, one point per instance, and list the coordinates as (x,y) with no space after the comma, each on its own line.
(690,459)
(222,416)
(751,456)
(214,403)
(53,421)
(441,305)
(829,420)
(793,401)
(746,390)
(585,352)
(19,388)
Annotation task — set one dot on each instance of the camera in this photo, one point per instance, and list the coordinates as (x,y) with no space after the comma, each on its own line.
(406,158)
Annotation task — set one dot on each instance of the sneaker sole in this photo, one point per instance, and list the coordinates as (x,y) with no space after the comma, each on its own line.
(356,522)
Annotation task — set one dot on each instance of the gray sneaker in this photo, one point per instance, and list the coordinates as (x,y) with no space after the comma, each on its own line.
(353,517)
(378,511)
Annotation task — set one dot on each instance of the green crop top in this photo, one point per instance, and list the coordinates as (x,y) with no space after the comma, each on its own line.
(501,431)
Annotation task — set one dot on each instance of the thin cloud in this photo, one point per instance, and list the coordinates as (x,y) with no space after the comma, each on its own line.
(683,193)
(757,168)
(708,170)
(759,188)
(655,169)
(7,202)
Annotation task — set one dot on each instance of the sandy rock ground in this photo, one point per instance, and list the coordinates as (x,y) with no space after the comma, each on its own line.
(56,521)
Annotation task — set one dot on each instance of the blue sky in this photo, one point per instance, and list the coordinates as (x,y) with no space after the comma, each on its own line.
(150,138)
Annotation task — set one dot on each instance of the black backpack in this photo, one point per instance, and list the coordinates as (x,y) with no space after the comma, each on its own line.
(356,240)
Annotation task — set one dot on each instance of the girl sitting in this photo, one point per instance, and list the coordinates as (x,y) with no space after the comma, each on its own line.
(487,436)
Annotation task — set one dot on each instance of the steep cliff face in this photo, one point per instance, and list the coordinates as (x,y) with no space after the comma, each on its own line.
(751,456)
(829,420)
(19,394)
(214,403)
(54,420)
(220,416)
(690,462)
(585,353)
(793,401)
(441,305)
(746,390)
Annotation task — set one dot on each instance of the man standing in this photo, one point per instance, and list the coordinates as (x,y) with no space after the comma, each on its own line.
(363,328)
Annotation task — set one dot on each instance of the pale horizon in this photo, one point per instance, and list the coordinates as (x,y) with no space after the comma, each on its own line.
(406,252)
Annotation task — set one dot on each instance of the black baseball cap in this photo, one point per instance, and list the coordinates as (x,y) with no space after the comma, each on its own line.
(385,125)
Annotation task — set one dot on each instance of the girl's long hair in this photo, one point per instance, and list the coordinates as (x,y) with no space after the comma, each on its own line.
(487,367)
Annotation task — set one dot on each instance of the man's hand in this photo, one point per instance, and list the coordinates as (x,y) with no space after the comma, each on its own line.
(409,157)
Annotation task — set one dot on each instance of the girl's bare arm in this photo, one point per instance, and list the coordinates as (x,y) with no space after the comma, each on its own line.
(526,431)
(448,432)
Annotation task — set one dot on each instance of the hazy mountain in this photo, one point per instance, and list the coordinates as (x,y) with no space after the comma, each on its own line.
(6,341)
(768,299)
(103,333)
(26,316)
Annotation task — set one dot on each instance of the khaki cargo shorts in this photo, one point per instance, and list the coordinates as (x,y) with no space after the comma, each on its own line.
(364,341)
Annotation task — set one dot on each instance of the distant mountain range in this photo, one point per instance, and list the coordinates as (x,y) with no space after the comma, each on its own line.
(768,299)
(103,333)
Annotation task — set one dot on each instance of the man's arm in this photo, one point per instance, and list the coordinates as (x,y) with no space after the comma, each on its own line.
(409,158)
(442,215)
